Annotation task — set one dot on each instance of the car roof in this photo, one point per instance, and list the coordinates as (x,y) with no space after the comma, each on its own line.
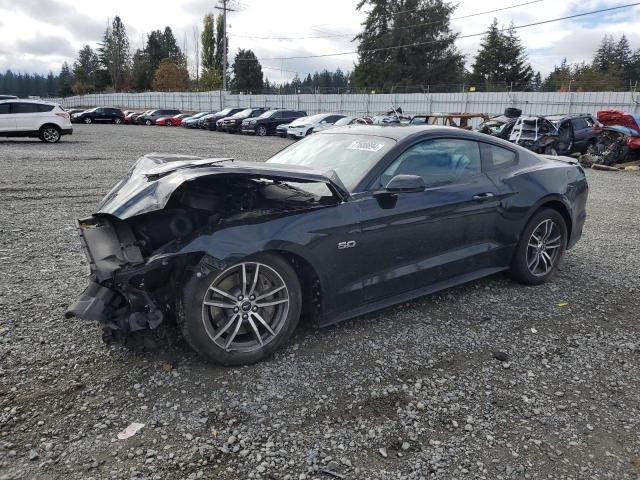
(28,100)
(397,131)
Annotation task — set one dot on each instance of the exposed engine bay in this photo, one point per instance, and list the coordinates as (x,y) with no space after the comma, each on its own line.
(211,202)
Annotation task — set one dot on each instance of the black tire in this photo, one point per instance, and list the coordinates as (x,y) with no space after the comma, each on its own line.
(117,120)
(261,131)
(309,132)
(551,150)
(168,123)
(520,270)
(197,329)
(87,120)
(511,112)
(147,122)
(50,134)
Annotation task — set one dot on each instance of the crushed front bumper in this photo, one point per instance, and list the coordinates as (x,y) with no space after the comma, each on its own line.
(119,294)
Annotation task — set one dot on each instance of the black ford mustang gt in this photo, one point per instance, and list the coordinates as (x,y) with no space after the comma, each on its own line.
(347,221)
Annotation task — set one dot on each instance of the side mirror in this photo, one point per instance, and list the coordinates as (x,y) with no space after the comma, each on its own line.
(323,121)
(403,184)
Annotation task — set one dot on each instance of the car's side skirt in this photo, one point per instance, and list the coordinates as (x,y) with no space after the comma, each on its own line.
(387,302)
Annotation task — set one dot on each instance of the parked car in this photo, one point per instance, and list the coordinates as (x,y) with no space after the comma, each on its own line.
(536,134)
(340,123)
(458,120)
(238,249)
(149,118)
(131,118)
(8,97)
(233,123)
(192,122)
(34,118)
(99,115)
(575,132)
(209,121)
(175,120)
(71,111)
(305,125)
(267,123)
(281,130)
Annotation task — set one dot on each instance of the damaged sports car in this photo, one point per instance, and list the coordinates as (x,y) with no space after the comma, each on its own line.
(344,222)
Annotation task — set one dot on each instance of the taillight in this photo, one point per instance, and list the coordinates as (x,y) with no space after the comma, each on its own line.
(63,115)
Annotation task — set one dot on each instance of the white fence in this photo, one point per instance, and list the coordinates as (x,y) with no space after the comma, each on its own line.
(533,103)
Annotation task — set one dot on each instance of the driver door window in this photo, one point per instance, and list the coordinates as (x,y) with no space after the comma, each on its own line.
(438,162)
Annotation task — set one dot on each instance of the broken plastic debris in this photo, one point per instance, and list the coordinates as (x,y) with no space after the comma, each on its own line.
(130,431)
(533,330)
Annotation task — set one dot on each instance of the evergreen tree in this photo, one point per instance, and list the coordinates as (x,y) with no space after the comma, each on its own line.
(86,71)
(501,60)
(605,55)
(66,81)
(114,52)
(247,72)
(208,42)
(622,57)
(391,23)
(141,71)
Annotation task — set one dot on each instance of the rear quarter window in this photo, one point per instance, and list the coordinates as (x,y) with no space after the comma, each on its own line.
(45,108)
(499,157)
(5,108)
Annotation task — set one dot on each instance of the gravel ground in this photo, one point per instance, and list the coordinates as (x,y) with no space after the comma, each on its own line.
(489,380)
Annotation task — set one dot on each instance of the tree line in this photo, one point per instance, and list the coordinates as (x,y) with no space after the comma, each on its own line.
(404,45)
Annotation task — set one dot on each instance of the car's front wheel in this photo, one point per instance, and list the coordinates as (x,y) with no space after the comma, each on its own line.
(50,134)
(147,122)
(540,248)
(261,131)
(87,120)
(168,123)
(244,313)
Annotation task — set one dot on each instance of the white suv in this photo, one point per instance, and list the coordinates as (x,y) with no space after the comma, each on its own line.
(34,118)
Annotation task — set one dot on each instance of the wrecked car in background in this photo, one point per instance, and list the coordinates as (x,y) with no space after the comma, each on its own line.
(575,132)
(501,125)
(536,134)
(347,221)
(458,120)
(617,139)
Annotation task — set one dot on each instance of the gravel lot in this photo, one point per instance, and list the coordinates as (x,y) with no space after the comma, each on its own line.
(414,391)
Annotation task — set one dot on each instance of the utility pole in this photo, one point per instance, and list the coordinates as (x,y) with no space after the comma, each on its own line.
(224,9)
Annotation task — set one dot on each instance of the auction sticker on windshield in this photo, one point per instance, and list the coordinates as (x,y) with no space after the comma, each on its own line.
(365,146)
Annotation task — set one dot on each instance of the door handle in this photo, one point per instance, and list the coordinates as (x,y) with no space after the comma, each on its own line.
(483,196)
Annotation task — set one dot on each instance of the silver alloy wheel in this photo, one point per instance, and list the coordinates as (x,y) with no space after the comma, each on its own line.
(117,121)
(543,248)
(167,123)
(147,122)
(245,307)
(87,120)
(262,130)
(50,135)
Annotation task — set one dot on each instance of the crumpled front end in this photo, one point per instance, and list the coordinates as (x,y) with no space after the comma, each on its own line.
(119,294)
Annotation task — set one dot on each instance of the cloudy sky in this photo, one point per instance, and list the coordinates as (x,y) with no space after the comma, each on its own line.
(38,35)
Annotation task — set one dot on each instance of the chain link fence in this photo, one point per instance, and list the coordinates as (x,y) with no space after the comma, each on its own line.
(532,103)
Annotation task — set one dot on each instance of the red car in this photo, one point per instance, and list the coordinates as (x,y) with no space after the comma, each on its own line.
(173,121)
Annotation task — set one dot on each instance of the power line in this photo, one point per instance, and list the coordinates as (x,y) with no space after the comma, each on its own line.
(344,35)
(417,44)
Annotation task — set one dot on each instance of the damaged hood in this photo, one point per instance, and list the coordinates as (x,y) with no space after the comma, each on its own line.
(154,177)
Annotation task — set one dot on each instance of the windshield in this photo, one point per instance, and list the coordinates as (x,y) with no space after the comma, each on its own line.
(224,112)
(242,114)
(350,156)
(267,114)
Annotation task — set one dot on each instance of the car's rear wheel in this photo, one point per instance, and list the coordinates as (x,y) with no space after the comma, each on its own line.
(261,131)
(244,313)
(50,134)
(167,123)
(117,120)
(87,120)
(541,247)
